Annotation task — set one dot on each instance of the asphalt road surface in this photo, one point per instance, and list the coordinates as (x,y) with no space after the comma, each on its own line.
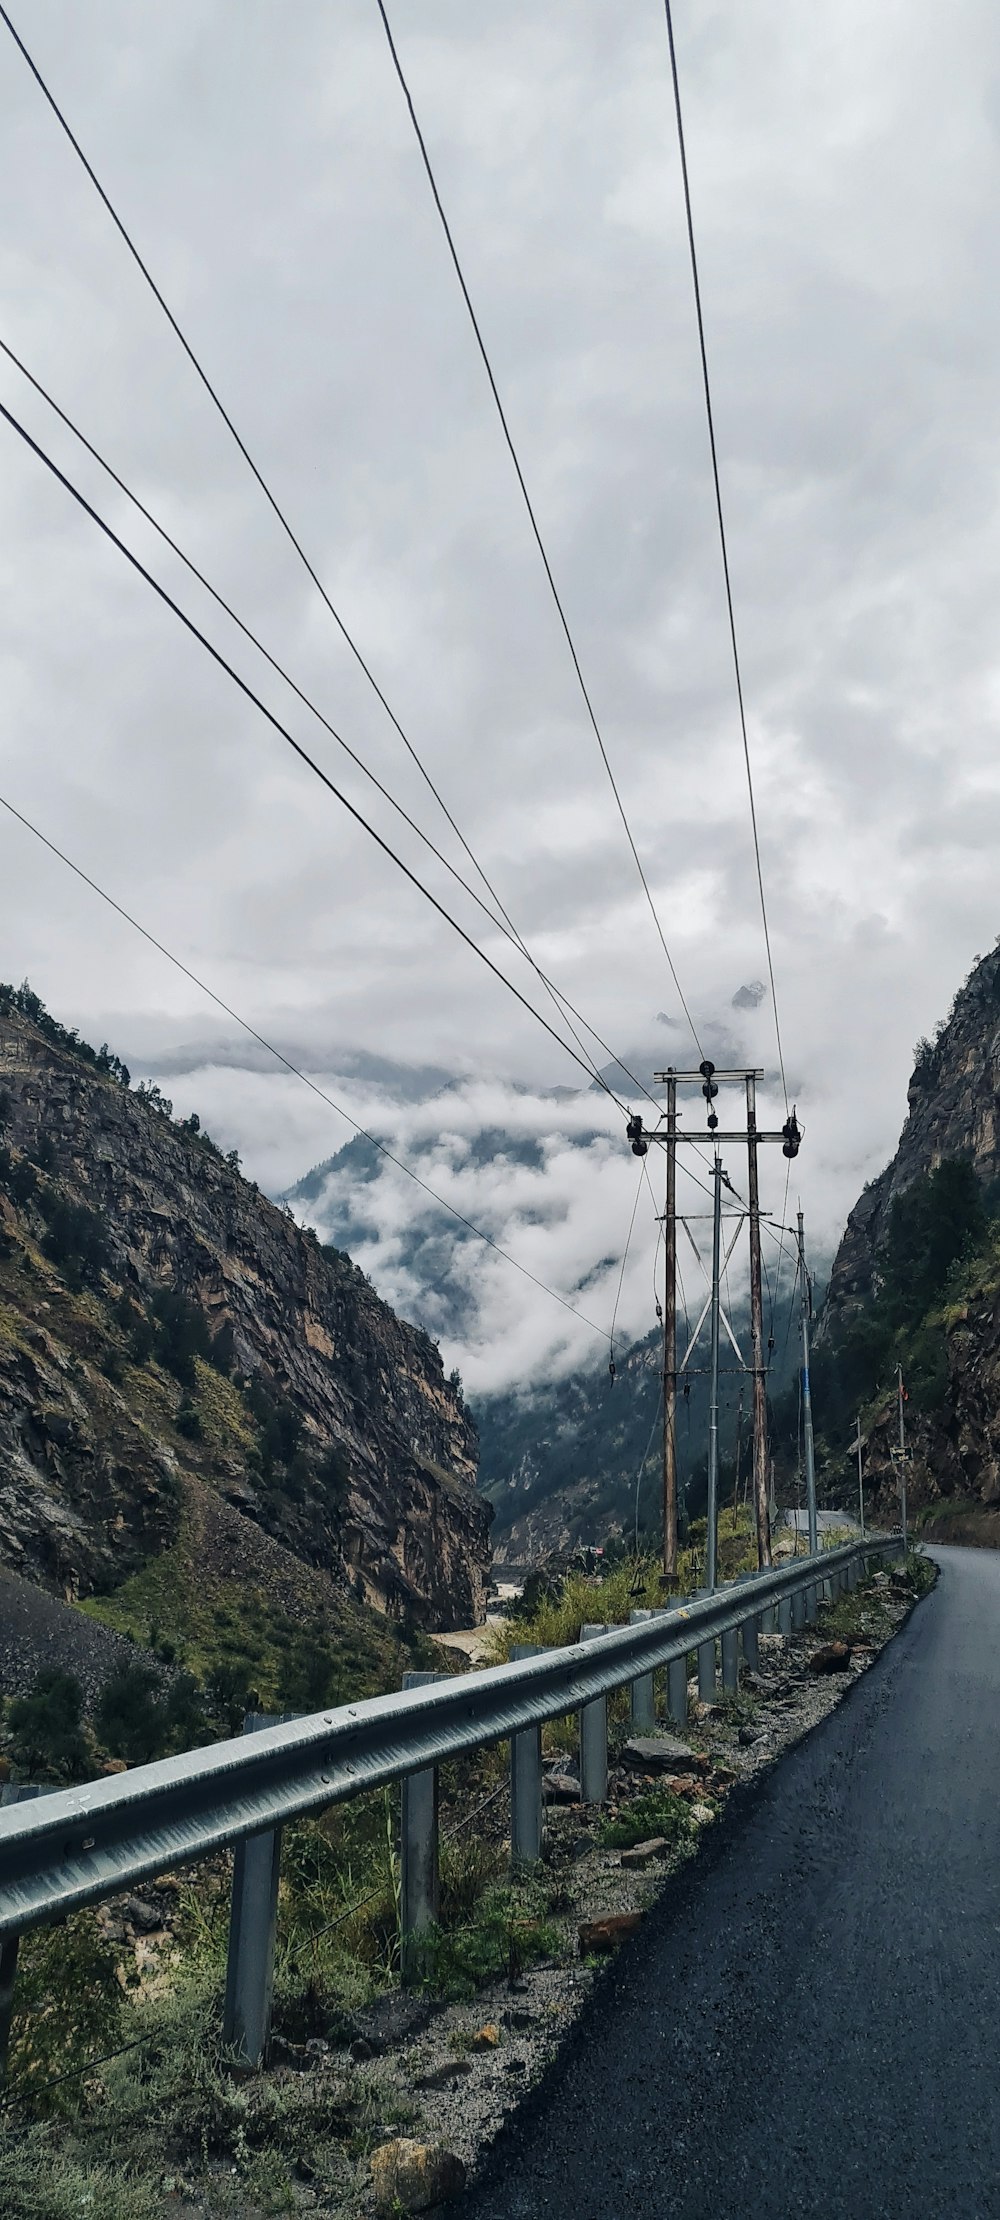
(809,2023)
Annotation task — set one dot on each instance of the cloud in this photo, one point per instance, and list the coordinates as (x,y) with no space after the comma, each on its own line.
(844,168)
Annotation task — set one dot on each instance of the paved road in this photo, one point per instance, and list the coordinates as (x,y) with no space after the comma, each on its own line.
(810,2023)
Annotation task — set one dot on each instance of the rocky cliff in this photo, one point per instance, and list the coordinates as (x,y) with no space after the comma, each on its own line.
(890,1302)
(164,1327)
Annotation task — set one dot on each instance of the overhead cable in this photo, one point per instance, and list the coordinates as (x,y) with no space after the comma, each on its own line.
(269,496)
(501,922)
(297,748)
(532,518)
(295,1069)
(722,535)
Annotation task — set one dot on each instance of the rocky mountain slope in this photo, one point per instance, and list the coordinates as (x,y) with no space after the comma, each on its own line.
(165,1330)
(916,1282)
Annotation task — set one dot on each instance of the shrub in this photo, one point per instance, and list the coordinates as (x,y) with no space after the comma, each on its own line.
(131,1717)
(47,1728)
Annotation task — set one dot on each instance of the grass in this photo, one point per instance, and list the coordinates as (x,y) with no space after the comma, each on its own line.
(271,1635)
(657,1813)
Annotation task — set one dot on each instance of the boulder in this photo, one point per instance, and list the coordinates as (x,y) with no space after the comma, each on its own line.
(410,2177)
(487,2037)
(561,1788)
(662,1753)
(702,1814)
(646,1853)
(602,1935)
(834,1657)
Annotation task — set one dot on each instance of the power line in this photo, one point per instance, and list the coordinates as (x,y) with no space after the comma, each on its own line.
(502,922)
(621,1275)
(294,1069)
(298,749)
(533,520)
(278,511)
(722,532)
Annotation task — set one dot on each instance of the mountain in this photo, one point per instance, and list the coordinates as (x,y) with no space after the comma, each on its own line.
(179,1359)
(916,1283)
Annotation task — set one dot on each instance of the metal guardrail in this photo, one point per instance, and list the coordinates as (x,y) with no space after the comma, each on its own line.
(78,1846)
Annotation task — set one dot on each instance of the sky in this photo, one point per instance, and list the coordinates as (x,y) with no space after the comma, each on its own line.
(845,173)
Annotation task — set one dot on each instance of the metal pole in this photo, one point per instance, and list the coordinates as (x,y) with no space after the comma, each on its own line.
(902,1455)
(526,1782)
(807,1410)
(670,1343)
(861,1481)
(712,1522)
(253,1926)
(418,1855)
(593,1739)
(760,1502)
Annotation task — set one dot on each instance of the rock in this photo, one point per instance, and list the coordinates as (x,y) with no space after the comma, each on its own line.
(646,1853)
(723,1777)
(143,1916)
(410,2177)
(747,1737)
(561,1788)
(601,1935)
(487,2037)
(362,2050)
(702,1814)
(834,1657)
(441,2077)
(662,1753)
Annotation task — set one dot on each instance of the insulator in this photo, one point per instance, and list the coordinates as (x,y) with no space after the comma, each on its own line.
(792,1136)
(640,1146)
(659,1310)
(712,1119)
(611,1368)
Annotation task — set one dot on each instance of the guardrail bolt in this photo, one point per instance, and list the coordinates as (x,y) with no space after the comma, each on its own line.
(593,1739)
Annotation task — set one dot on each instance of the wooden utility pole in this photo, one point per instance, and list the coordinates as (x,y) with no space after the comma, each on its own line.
(760,1503)
(670,1342)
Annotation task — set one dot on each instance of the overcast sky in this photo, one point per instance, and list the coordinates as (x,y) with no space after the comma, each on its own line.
(845,167)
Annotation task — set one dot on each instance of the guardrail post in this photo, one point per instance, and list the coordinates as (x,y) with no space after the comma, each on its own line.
(253,1920)
(418,1853)
(731,1660)
(798,1609)
(677,1691)
(12,1792)
(642,1702)
(526,1782)
(593,1739)
(785,1615)
(749,1632)
(706,1671)
(810,1604)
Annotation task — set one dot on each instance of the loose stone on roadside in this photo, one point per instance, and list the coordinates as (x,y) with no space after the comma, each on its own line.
(410,2177)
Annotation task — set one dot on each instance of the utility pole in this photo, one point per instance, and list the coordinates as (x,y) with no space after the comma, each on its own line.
(712,1522)
(861,1480)
(670,1136)
(807,1413)
(670,1342)
(760,1504)
(902,1453)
